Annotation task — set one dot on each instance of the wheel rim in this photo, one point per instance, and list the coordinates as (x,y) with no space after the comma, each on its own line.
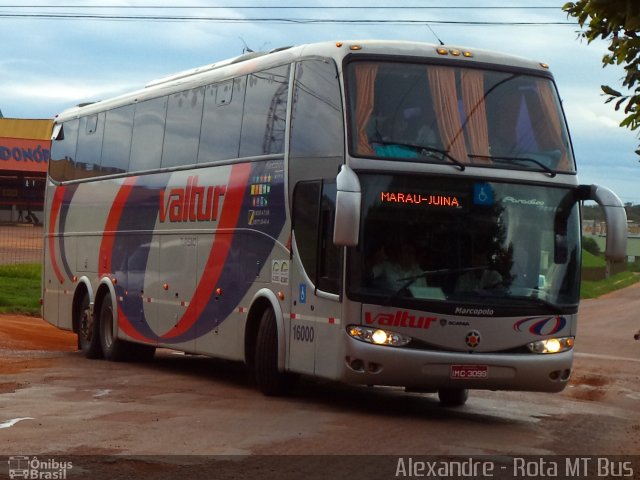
(107,327)
(86,325)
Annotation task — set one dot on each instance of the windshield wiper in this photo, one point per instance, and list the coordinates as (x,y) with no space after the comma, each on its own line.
(426,273)
(552,173)
(425,151)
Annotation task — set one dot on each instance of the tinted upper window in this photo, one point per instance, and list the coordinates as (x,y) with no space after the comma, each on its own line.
(116,146)
(63,151)
(89,146)
(148,134)
(221,121)
(316,119)
(182,134)
(265,112)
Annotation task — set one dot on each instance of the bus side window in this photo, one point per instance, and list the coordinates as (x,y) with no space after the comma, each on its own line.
(148,133)
(306,202)
(265,112)
(182,134)
(89,146)
(313,211)
(329,255)
(116,146)
(221,121)
(63,151)
(317,127)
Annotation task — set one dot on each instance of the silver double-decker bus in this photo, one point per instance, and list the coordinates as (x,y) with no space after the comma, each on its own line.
(371,212)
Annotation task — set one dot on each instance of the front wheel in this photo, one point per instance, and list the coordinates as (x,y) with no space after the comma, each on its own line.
(269,379)
(453,397)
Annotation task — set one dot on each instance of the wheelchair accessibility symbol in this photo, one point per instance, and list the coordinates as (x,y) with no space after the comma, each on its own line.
(303,293)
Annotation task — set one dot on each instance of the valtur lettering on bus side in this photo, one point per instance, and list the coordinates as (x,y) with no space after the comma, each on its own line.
(193,203)
(401,318)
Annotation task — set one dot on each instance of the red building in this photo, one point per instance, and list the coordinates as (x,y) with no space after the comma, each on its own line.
(25,147)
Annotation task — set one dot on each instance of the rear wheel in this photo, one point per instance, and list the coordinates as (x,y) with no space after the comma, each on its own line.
(268,378)
(453,397)
(88,334)
(113,348)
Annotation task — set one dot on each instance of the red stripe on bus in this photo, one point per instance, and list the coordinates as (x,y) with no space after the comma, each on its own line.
(111,226)
(106,250)
(126,327)
(231,207)
(53,218)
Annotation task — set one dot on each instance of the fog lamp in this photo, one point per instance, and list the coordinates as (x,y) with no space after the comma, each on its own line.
(551,345)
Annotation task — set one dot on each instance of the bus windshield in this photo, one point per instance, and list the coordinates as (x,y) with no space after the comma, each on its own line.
(464,240)
(433,113)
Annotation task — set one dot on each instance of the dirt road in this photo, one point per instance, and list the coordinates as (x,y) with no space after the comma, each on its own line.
(190,405)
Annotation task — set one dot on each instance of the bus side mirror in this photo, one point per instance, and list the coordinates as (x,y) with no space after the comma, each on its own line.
(346,229)
(616,219)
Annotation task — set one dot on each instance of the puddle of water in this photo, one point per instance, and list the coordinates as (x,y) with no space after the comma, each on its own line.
(13,421)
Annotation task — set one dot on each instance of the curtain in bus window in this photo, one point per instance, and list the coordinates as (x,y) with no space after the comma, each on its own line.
(265,112)
(553,126)
(476,113)
(442,82)
(365,80)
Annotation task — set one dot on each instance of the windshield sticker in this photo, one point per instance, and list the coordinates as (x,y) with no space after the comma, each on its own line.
(482,194)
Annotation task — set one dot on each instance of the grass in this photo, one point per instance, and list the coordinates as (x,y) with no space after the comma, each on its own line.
(591,260)
(20,289)
(20,285)
(615,282)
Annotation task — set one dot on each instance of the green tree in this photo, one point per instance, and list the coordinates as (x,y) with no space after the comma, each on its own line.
(618,22)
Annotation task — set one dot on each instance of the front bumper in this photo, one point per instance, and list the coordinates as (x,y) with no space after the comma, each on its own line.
(364,363)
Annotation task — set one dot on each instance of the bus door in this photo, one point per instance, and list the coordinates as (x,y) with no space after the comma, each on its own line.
(316,281)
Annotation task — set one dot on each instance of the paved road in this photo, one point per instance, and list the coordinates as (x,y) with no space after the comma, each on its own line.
(188,405)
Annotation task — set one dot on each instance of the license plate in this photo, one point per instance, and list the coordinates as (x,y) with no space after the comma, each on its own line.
(469,372)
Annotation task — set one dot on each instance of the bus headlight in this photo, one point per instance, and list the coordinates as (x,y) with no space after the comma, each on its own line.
(378,336)
(551,345)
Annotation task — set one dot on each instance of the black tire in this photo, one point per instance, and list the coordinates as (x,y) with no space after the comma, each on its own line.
(453,397)
(88,331)
(269,379)
(113,348)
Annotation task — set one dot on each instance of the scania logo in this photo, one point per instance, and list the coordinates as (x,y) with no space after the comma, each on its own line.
(472,339)
(192,203)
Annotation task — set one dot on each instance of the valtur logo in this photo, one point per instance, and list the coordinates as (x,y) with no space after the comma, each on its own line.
(541,325)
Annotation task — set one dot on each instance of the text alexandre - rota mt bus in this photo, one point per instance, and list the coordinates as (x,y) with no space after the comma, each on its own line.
(377,213)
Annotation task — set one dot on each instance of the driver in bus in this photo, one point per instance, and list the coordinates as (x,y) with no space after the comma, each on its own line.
(398,266)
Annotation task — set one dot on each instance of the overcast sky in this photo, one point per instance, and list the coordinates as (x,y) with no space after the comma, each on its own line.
(49,64)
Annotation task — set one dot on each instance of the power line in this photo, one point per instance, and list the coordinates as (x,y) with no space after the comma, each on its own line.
(277,20)
(287,7)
